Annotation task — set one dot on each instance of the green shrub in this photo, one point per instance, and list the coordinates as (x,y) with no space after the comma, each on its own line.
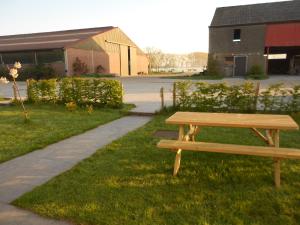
(256,72)
(42,91)
(79,67)
(220,97)
(97,92)
(213,68)
(4,72)
(37,72)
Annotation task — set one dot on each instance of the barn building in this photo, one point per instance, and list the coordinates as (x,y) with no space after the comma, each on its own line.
(266,34)
(104,49)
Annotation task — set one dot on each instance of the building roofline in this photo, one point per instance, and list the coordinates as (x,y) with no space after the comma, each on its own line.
(253,24)
(94,35)
(262,3)
(55,32)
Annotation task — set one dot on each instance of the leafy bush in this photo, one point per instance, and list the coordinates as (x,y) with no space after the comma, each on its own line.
(79,67)
(97,92)
(4,72)
(100,69)
(37,72)
(256,72)
(42,91)
(213,67)
(220,97)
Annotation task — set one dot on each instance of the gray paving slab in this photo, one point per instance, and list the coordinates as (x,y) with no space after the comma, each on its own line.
(22,174)
(10,215)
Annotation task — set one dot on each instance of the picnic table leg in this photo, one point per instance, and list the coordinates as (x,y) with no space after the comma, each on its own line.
(276,160)
(178,154)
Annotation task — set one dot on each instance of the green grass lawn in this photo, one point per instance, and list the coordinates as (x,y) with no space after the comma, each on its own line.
(48,124)
(130,182)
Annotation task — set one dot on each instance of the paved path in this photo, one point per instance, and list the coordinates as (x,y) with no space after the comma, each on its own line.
(22,174)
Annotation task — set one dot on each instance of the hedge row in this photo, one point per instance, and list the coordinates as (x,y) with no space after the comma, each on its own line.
(100,92)
(246,97)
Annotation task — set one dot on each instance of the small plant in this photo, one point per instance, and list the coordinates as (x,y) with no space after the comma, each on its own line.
(256,72)
(71,106)
(89,109)
(13,72)
(100,69)
(79,67)
(213,68)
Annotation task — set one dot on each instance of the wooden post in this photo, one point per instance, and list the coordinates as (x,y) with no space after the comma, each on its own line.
(276,160)
(15,92)
(267,62)
(162,98)
(256,95)
(174,95)
(178,154)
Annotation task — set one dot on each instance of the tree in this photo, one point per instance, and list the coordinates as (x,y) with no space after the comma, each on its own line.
(155,57)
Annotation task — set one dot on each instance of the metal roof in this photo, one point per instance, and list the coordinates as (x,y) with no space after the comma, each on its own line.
(263,13)
(47,40)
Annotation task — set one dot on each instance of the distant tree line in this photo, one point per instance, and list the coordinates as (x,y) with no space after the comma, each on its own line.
(159,60)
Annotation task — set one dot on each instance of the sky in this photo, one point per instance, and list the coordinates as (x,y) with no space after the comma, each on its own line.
(174,26)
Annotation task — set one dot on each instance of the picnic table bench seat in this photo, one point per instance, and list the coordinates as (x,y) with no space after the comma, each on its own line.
(276,153)
(264,151)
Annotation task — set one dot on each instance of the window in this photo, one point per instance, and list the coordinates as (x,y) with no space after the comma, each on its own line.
(50,56)
(23,57)
(237,35)
(229,60)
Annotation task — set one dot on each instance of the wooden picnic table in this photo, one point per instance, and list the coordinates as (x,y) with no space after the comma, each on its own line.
(272,124)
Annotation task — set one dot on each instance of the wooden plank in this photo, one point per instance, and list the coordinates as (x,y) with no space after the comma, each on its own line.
(274,152)
(177,162)
(276,160)
(264,121)
(178,153)
(270,137)
(259,134)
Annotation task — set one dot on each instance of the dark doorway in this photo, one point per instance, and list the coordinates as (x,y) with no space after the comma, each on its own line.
(129,61)
(287,65)
(240,64)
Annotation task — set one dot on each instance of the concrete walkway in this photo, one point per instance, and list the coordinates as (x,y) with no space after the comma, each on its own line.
(24,173)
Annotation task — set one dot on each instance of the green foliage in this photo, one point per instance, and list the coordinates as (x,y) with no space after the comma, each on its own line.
(98,92)
(38,72)
(100,69)
(79,67)
(96,75)
(4,72)
(41,91)
(294,105)
(71,106)
(213,68)
(200,96)
(256,72)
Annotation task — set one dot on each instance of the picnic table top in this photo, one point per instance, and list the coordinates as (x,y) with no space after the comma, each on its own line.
(265,121)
